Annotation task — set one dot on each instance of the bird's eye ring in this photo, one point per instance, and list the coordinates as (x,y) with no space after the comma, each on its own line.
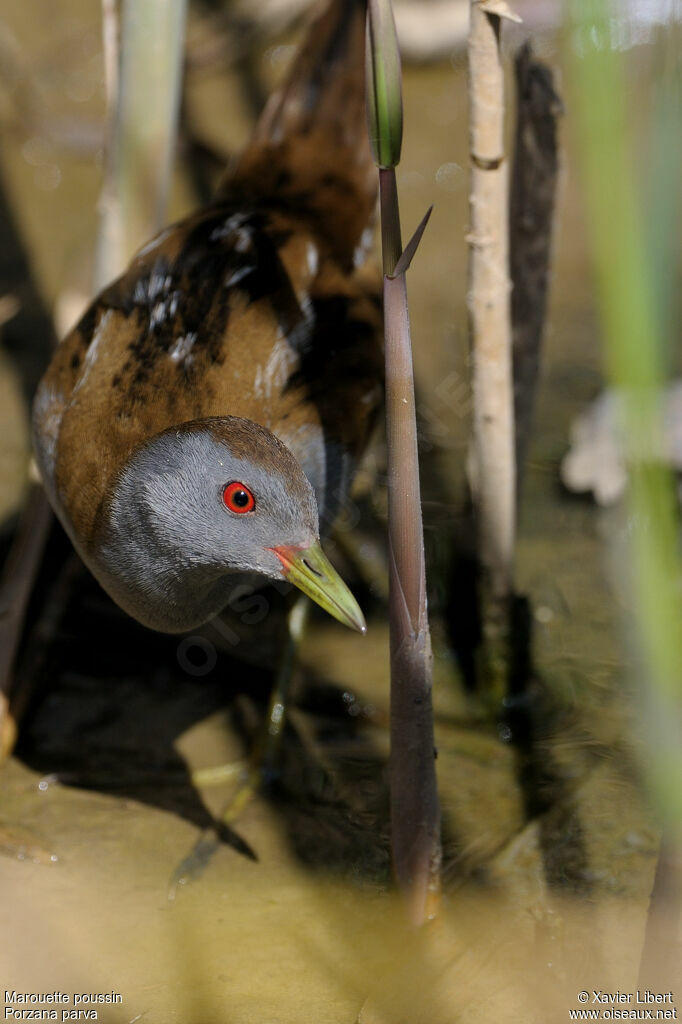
(238,498)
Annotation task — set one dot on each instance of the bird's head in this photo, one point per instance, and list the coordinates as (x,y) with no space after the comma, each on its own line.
(208,499)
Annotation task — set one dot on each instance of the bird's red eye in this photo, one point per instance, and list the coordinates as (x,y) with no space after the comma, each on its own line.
(238,498)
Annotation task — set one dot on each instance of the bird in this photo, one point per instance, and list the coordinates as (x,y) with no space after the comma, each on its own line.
(202,423)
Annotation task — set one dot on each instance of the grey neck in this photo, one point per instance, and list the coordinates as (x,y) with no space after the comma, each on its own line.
(164,599)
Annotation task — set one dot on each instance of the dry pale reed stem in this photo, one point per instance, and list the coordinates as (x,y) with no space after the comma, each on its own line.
(109,253)
(493,469)
(145,99)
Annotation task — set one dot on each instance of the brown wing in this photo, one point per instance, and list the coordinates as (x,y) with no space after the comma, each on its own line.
(310,146)
(253,307)
(229,313)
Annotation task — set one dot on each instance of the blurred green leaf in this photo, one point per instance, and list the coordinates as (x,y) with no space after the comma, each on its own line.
(634,361)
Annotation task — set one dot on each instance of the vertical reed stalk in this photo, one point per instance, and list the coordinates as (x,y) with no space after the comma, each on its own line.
(531,220)
(109,251)
(415,815)
(143,90)
(493,478)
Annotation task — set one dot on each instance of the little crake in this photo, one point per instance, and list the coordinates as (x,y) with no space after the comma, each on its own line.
(203,421)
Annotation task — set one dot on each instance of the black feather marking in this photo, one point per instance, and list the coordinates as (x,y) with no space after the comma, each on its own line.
(225,252)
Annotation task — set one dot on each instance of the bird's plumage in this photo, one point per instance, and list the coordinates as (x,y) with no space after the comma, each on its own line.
(258,308)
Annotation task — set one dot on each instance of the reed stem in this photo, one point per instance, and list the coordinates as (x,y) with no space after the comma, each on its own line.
(415,814)
(143,91)
(492,475)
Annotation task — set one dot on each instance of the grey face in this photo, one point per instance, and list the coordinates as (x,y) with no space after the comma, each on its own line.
(180,485)
(174,535)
